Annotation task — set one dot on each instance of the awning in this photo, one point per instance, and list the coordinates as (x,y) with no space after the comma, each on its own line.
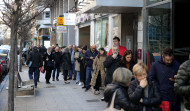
(44,26)
(112,6)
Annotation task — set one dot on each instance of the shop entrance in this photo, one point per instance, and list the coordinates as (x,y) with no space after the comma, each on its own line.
(84,36)
(129,32)
(181,30)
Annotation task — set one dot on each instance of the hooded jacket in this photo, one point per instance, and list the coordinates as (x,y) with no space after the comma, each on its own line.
(160,73)
(121,97)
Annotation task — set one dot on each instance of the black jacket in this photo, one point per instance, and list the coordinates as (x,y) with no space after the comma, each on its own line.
(57,58)
(136,92)
(82,67)
(111,65)
(66,61)
(132,63)
(50,63)
(87,56)
(35,57)
(121,98)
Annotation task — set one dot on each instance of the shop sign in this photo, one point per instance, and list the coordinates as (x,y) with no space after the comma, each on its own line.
(60,21)
(69,18)
(61,29)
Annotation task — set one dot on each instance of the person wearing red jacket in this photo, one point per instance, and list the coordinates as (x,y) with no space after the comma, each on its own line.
(116,42)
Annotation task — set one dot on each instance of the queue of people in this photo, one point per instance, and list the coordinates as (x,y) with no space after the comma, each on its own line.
(127,85)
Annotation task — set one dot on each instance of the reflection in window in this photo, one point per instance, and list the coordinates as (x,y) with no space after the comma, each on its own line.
(159,31)
(101,33)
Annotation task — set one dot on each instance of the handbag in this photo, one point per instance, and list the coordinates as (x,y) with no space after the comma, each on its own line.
(42,70)
(30,64)
(111,107)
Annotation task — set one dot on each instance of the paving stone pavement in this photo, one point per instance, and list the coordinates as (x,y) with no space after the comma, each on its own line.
(58,96)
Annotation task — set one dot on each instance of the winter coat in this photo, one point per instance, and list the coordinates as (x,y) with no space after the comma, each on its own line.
(87,56)
(36,58)
(82,67)
(66,61)
(121,98)
(160,73)
(57,59)
(131,64)
(50,63)
(98,66)
(136,92)
(121,50)
(182,83)
(111,65)
(77,64)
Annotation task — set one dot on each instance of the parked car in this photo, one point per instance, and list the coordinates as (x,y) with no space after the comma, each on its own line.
(4,56)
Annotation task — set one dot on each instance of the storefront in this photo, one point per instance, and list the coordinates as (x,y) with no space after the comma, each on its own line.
(160,30)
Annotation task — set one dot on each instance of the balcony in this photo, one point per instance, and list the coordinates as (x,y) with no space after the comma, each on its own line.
(111,6)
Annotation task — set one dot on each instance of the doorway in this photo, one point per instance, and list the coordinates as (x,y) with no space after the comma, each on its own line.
(84,36)
(180,31)
(129,26)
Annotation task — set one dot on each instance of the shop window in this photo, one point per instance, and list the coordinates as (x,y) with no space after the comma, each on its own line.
(159,31)
(101,33)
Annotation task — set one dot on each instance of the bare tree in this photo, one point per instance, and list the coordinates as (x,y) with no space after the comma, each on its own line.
(15,14)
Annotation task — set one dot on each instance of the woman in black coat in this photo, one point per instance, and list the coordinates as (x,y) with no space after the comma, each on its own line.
(82,65)
(48,64)
(66,63)
(142,91)
(119,86)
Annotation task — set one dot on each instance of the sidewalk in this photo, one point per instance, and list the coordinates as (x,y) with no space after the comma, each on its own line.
(4,94)
(58,97)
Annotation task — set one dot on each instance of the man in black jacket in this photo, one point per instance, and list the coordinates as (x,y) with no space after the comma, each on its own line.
(57,62)
(37,62)
(112,62)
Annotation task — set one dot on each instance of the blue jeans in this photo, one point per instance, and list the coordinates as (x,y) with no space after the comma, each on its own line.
(88,76)
(34,70)
(58,70)
(72,71)
(78,77)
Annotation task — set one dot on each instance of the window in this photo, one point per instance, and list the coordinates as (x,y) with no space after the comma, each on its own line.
(47,14)
(101,32)
(159,31)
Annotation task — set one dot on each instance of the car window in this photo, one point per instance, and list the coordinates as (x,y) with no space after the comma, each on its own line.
(3,51)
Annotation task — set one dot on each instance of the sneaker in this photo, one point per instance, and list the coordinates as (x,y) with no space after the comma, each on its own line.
(66,82)
(96,92)
(57,79)
(102,98)
(87,89)
(80,83)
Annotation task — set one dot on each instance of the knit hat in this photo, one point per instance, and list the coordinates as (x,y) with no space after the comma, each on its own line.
(84,47)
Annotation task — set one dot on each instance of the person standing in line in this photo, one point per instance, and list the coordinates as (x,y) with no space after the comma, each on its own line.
(77,66)
(57,62)
(82,66)
(66,63)
(89,58)
(182,83)
(99,73)
(72,71)
(111,63)
(119,87)
(116,42)
(37,61)
(48,64)
(127,61)
(163,73)
(142,91)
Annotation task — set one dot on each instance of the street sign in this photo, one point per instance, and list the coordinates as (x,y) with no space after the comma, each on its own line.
(61,29)
(60,21)
(69,18)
